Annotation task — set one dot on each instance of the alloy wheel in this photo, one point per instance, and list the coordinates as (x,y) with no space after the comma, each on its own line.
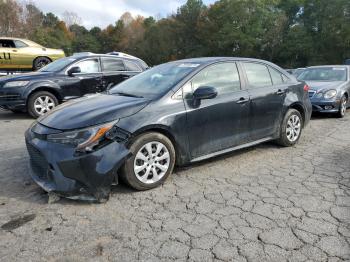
(293,128)
(43,104)
(151,162)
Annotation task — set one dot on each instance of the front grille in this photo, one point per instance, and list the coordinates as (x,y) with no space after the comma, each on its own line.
(311,93)
(38,162)
(9,97)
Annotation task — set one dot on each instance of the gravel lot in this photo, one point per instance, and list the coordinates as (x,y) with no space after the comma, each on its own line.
(265,203)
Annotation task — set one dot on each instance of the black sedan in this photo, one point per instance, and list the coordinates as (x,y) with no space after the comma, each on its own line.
(65,79)
(172,114)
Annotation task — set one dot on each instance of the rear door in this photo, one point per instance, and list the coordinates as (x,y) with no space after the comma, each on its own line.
(114,72)
(267,92)
(222,122)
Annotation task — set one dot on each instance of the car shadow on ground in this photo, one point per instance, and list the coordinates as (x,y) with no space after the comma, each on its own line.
(7,115)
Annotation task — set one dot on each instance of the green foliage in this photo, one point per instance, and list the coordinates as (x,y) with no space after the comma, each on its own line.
(292,33)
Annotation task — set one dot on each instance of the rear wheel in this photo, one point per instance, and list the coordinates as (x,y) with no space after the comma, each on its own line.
(40,62)
(342,106)
(39,103)
(291,128)
(152,161)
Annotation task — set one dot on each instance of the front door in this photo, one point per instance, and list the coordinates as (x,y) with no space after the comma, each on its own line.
(222,122)
(88,81)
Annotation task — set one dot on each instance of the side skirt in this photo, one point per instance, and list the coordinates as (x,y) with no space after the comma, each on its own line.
(232,149)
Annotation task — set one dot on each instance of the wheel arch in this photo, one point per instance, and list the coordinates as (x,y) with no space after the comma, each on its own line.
(47,89)
(166,131)
(300,108)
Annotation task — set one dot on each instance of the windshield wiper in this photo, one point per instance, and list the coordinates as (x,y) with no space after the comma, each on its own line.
(127,94)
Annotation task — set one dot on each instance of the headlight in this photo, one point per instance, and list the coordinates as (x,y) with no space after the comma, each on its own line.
(16,83)
(83,139)
(330,94)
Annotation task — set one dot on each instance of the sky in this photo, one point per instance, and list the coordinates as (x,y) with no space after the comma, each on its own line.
(104,12)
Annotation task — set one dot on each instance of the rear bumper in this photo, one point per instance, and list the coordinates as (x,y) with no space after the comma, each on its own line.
(56,168)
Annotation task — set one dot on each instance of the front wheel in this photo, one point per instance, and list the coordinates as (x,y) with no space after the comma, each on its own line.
(39,103)
(152,161)
(291,128)
(342,107)
(40,62)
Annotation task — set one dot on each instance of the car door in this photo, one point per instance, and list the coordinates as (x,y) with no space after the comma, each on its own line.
(6,54)
(23,55)
(114,72)
(266,98)
(222,122)
(88,81)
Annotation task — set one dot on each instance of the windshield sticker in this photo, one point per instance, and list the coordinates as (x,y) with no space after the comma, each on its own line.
(189,65)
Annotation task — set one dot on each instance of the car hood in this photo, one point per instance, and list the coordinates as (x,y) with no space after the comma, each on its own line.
(92,110)
(317,86)
(26,76)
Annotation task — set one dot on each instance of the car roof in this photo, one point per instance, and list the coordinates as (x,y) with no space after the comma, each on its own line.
(321,66)
(89,55)
(207,60)
(210,60)
(10,38)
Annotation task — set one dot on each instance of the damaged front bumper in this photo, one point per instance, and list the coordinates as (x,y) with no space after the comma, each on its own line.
(58,169)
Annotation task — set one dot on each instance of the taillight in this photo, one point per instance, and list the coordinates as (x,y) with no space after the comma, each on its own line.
(306,88)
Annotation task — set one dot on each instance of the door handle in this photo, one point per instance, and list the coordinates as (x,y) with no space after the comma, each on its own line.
(280,92)
(242,100)
(14,50)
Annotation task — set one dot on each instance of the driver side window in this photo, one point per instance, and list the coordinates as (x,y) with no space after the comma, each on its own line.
(224,77)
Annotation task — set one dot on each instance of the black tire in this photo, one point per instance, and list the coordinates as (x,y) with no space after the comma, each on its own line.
(40,62)
(32,99)
(127,173)
(342,107)
(284,139)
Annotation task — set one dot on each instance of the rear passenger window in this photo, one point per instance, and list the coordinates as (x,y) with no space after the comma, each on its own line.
(131,66)
(276,76)
(224,77)
(111,65)
(258,75)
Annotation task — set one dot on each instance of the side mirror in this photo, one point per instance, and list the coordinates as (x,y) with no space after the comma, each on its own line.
(205,92)
(74,70)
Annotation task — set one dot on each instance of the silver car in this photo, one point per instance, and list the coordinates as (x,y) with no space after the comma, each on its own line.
(329,88)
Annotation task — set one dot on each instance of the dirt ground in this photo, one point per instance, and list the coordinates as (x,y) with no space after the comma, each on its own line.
(265,203)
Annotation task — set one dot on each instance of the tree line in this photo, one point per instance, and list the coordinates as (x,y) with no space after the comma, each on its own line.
(291,33)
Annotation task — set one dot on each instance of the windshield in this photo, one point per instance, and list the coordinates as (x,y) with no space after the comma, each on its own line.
(324,74)
(58,65)
(156,81)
